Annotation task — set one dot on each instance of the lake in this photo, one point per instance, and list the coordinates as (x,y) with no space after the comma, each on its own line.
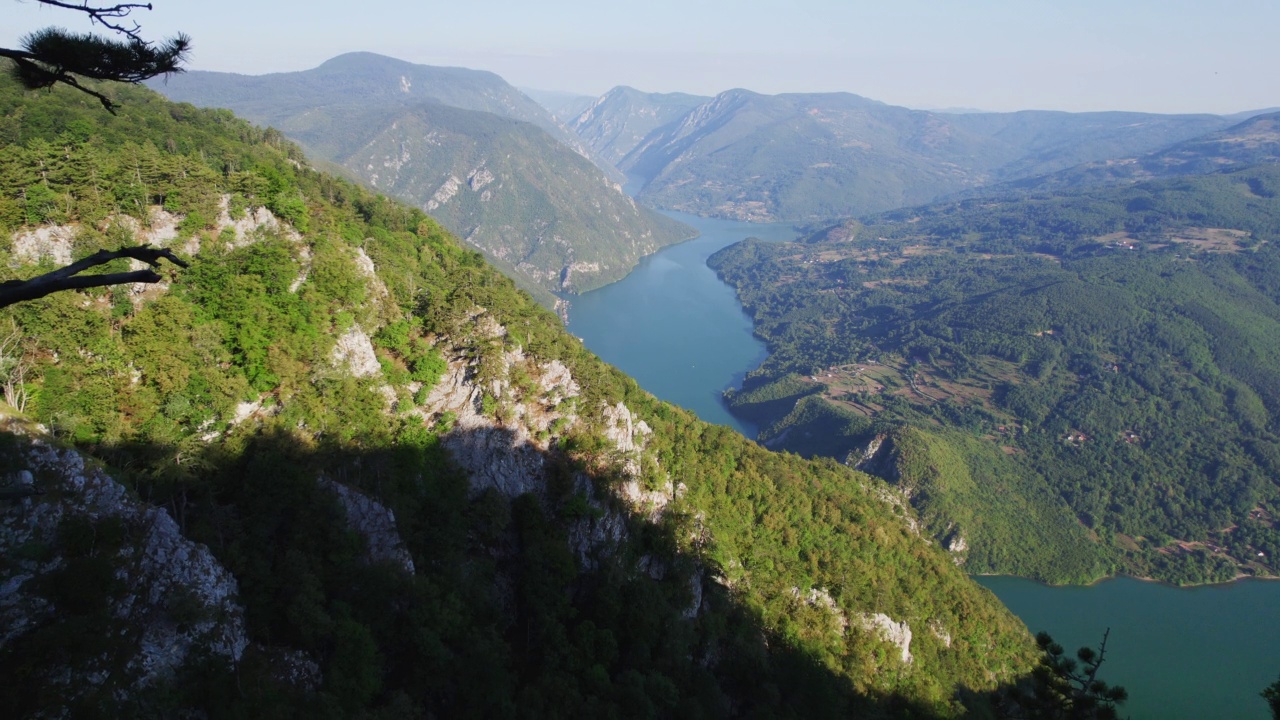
(1203,652)
(1181,653)
(674,327)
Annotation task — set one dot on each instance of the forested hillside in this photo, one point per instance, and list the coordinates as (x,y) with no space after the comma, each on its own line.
(392,484)
(482,158)
(1042,372)
(817,156)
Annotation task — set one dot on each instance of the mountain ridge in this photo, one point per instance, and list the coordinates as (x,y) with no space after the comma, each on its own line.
(542,210)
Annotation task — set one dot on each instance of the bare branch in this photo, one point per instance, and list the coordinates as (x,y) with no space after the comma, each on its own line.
(106,15)
(67,278)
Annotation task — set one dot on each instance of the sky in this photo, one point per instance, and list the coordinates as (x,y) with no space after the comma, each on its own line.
(1216,56)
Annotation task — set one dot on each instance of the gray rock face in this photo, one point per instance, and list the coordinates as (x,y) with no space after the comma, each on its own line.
(898,633)
(355,352)
(375,522)
(175,600)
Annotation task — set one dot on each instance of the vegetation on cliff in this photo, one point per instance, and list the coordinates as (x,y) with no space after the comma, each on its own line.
(306,347)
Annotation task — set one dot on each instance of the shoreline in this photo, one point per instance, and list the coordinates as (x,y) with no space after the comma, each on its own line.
(1233,581)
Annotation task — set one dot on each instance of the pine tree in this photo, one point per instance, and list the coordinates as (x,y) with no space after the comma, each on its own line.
(53,55)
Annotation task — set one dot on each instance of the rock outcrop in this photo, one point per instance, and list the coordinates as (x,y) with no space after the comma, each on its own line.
(375,522)
(170,600)
(898,633)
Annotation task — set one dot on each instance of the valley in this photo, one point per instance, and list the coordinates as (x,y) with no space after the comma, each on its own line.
(454,399)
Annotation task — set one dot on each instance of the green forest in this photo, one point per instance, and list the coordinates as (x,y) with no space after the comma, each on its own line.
(500,617)
(1079,383)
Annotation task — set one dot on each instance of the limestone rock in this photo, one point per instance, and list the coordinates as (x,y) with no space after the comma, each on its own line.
(375,522)
(53,242)
(175,601)
(355,351)
(898,633)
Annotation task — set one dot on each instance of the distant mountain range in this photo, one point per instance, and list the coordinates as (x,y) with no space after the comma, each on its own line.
(1254,141)
(537,187)
(464,145)
(622,118)
(805,157)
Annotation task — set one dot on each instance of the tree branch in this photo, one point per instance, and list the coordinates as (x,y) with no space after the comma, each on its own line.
(101,15)
(68,278)
(52,55)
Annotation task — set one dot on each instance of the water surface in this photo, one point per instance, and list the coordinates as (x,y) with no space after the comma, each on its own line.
(1198,653)
(674,326)
(1193,653)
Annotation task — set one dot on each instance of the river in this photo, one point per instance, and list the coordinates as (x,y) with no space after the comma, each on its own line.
(674,327)
(1181,653)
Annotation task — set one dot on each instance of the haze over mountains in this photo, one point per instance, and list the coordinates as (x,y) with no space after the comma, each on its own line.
(512,177)
(1254,141)
(803,157)
(465,146)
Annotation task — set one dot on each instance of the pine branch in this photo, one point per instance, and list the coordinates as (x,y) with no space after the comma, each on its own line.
(53,55)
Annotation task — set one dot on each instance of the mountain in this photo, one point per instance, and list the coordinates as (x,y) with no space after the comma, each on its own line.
(805,157)
(357,78)
(1067,385)
(339,466)
(465,146)
(1253,141)
(615,123)
(563,106)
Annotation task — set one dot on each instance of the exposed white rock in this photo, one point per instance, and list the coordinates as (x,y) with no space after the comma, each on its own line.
(365,265)
(355,351)
(162,227)
(445,193)
(52,242)
(375,522)
(898,633)
(940,632)
(648,503)
(479,178)
(577,268)
(695,592)
(821,598)
(155,566)
(254,220)
(627,435)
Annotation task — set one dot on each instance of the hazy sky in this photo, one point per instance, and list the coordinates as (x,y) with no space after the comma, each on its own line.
(1154,55)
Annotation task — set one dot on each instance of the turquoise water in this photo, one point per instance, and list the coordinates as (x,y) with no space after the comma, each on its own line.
(1193,653)
(1196,653)
(674,327)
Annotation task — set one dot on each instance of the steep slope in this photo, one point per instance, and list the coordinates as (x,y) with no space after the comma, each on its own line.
(1037,371)
(432,500)
(616,122)
(422,134)
(530,204)
(812,156)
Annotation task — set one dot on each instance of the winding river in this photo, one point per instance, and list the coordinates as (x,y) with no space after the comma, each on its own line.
(1181,653)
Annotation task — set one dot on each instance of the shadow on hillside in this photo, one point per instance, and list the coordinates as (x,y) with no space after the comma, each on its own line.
(517,606)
